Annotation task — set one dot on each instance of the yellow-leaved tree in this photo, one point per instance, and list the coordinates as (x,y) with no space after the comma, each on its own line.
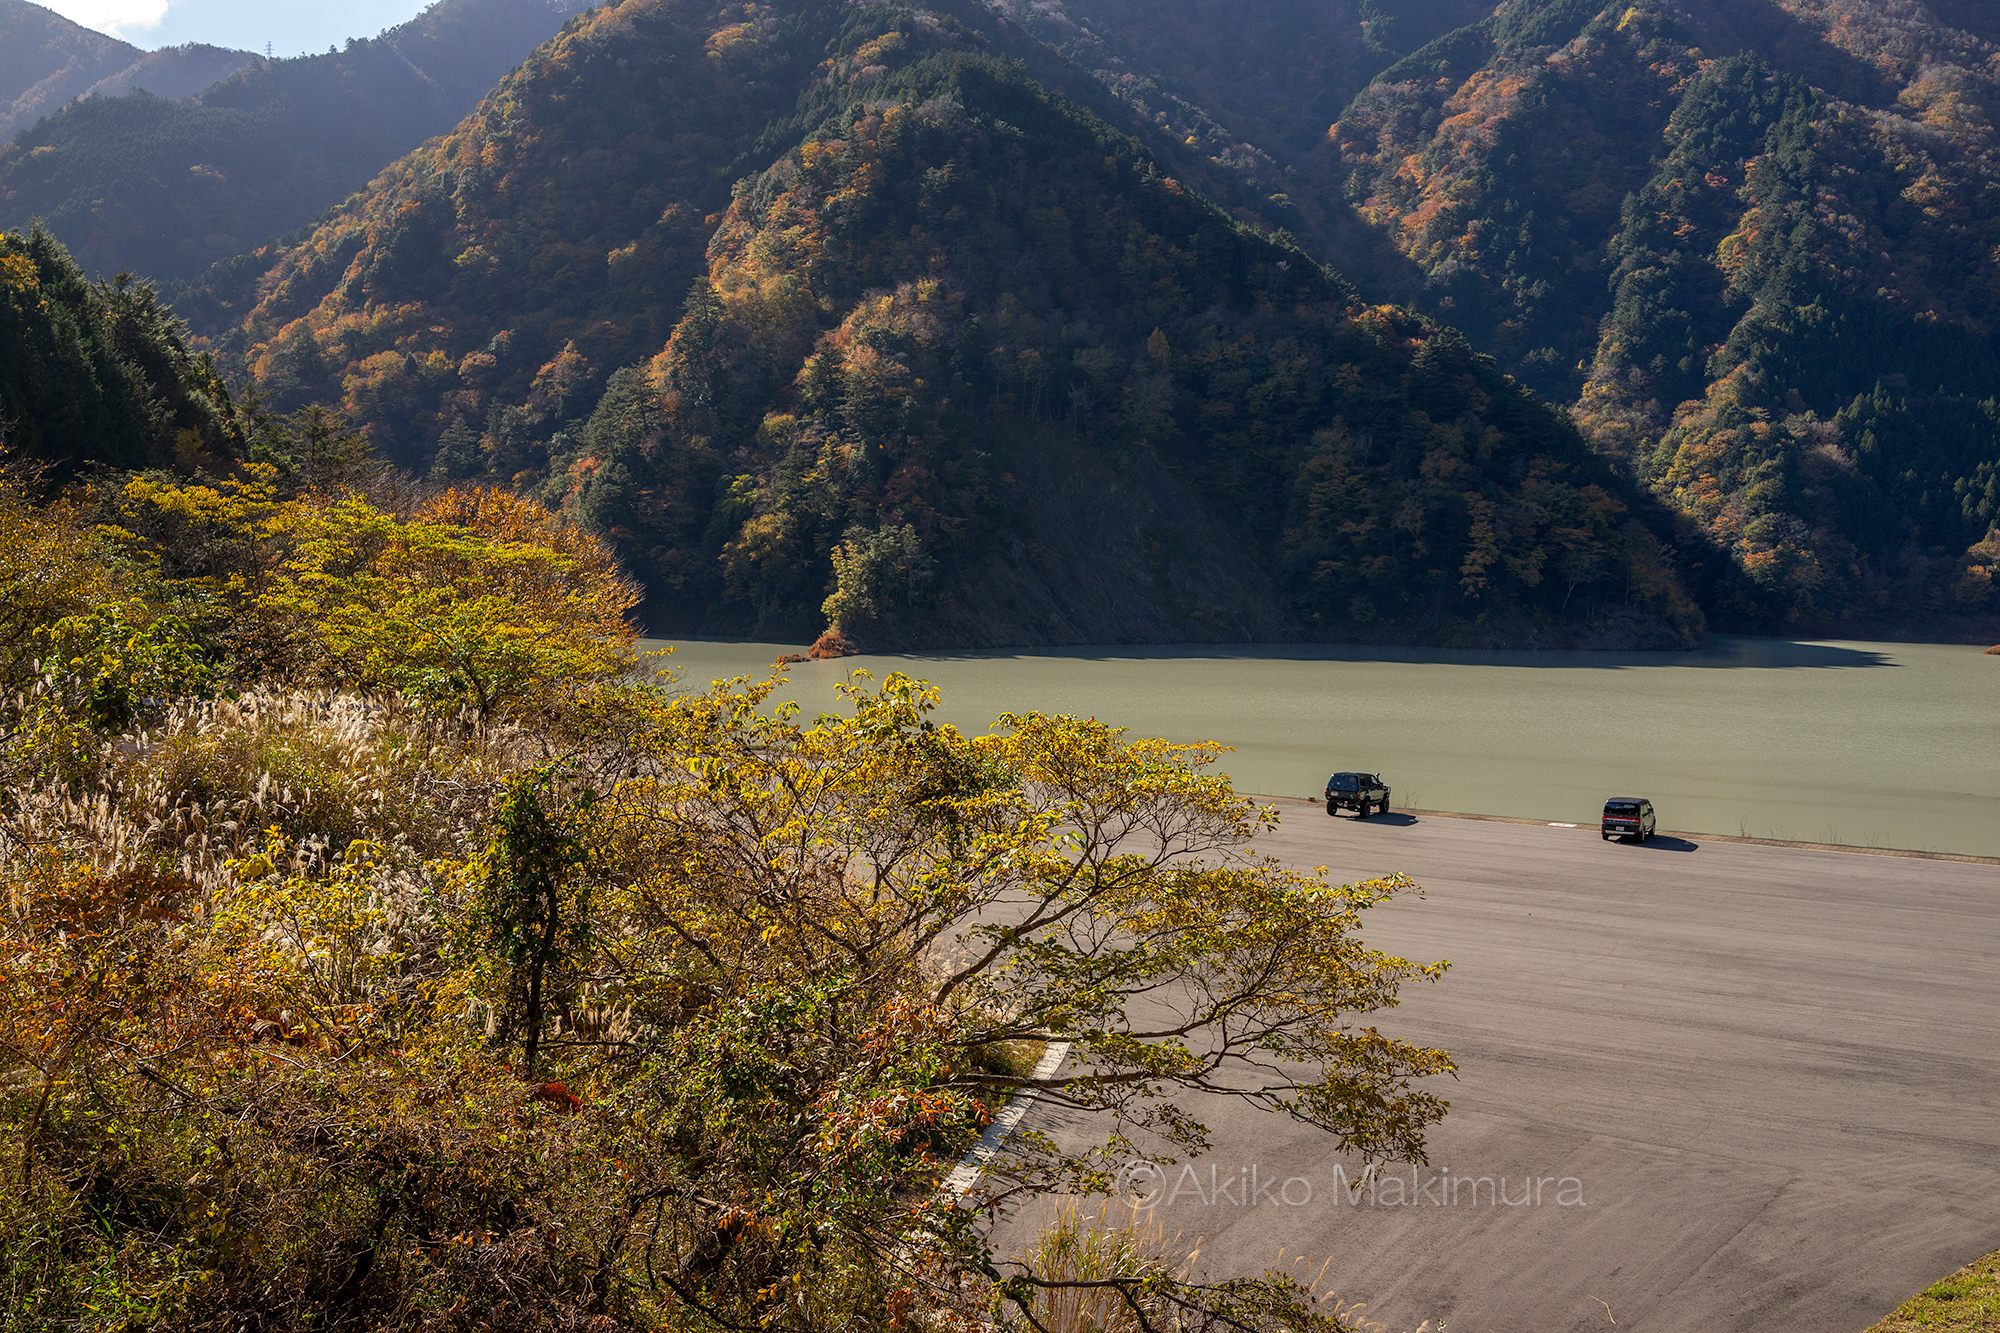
(50,568)
(481,599)
(792,961)
(476,599)
(692,1042)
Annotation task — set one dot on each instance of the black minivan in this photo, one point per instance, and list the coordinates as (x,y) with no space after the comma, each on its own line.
(1628,817)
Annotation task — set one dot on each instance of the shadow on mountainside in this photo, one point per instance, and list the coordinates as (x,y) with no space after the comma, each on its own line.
(1727,26)
(1981,18)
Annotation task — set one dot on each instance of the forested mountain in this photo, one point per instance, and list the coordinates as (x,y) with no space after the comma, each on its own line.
(958,354)
(168,187)
(1747,246)
(1756,245)
(1045,352)
(1483,178)
(46,61)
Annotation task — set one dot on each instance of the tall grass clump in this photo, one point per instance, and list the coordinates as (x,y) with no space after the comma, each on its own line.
(1113,1242)
(1115,1269)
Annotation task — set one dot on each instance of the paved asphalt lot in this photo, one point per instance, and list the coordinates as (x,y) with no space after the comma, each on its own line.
(1774,1073)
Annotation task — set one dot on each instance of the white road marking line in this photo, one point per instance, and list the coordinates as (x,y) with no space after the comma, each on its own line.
(966,1173)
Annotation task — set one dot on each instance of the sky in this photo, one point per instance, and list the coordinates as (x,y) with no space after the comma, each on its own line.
(291,28)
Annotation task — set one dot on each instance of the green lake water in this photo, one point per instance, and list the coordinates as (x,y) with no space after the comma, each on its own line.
(1871,744)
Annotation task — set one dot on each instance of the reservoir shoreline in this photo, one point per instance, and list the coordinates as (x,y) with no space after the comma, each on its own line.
(1960,857)
(1872,745)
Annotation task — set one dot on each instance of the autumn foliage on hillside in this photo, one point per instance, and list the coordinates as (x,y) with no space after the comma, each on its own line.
(485,286)
(998,268)
(814,404)
(1755,246)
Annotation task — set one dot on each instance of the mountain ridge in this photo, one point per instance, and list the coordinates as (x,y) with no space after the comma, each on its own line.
(46,61)
(1660,267)
(167,187)
(488,310)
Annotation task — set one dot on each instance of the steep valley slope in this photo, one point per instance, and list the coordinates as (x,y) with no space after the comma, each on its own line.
(1627,204)
(828,313)
(1756,247)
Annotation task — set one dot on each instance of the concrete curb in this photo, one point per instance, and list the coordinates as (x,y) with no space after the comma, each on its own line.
(966,1174)
(1678,833)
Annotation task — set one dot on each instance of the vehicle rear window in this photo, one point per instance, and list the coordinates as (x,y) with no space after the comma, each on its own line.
(1620,808)
(1344,781)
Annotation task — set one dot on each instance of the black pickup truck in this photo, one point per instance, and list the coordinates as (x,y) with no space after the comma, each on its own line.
(1357,792)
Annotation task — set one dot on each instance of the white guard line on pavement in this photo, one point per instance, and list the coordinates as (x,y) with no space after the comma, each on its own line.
(967,1172)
